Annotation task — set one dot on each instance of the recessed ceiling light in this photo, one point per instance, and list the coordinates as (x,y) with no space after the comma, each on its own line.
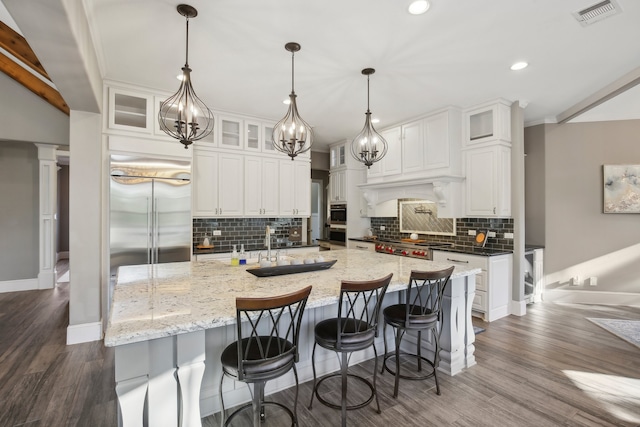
(375,120)
(418,7)
(519,66)
(286,101)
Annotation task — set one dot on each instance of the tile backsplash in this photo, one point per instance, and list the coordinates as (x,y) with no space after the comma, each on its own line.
(463,225)
(247,231)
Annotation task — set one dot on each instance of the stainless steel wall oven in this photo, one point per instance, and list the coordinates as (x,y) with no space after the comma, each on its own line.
(338,214)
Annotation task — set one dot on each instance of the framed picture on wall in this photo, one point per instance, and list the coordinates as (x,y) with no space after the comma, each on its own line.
(621,188)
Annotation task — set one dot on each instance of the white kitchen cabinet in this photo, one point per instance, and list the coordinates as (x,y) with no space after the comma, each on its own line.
(253,136)
(487,123)
(432,144)
(130,111)
(261,195)
(493,283)
(231,132)
(488,181)
(218,184)
(295,188)
(338,155)
(267,140)
(338,186)
(363,246)
(413,146)
(391,163)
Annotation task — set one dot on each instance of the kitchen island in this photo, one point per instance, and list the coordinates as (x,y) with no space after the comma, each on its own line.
(170,322)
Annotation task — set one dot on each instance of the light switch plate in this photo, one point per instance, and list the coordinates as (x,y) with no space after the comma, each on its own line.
(491,234)
(217,232)
(472,232)
(508,235)
(382,228)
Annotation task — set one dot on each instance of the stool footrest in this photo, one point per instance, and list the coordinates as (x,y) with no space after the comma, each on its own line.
(349,407)
(409,377)
(250,405)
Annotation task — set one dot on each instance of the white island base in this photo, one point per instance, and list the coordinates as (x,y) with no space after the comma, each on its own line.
(167,356)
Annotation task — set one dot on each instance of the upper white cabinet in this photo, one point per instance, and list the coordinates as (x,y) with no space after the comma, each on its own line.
(261,196)
(338,155)
(130,111)
(432,145)
(487,123)
(295,188)
(338,186)
(391,163)
(218,183)
(487,160)
(488,183)
(230,132)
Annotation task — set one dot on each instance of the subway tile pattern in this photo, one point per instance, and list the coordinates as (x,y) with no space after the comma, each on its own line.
(247,231)
(462,238)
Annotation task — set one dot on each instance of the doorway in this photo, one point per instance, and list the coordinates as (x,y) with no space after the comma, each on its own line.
(315,228)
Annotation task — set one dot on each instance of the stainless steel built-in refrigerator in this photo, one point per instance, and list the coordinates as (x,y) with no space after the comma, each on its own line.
(150,211)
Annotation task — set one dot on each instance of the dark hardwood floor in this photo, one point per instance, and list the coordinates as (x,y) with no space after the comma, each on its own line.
(551,367)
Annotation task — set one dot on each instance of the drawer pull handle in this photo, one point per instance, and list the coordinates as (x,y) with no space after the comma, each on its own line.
(362,247)
(457,260)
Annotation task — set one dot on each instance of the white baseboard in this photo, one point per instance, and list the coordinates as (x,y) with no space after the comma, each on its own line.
(84,332)
(518,308)
(592,297)
(46,279)
(19,285)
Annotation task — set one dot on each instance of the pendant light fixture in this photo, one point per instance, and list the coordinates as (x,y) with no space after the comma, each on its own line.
(369,146)
(184,116)
(292,135)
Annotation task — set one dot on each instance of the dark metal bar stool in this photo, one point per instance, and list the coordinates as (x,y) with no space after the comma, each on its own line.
(264,354)
(420,312)
(354,329)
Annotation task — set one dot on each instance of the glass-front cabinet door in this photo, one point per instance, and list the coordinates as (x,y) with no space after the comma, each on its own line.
(230,133)
(252,132)
(267,141)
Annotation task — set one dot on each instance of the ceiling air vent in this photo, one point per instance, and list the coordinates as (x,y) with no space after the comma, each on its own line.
(597,12)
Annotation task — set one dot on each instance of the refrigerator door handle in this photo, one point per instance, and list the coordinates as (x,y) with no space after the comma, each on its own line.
(149,231)
(156,227)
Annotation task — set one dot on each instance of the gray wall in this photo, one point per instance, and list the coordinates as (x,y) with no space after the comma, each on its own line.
(534,184)
(580,240)
(24,116)
(63,209)
(18,211)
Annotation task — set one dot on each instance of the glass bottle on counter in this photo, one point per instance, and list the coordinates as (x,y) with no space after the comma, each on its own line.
(243,255)
(234,257)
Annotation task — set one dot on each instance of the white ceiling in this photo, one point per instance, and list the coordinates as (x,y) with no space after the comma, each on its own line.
(458,53)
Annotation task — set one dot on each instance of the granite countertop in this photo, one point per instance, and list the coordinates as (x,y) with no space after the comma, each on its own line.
(441,246)
(156,301)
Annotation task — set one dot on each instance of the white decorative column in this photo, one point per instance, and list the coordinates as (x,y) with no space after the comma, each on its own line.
(457,336)
(48,187)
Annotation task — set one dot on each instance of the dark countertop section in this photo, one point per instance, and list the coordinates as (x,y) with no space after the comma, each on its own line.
(274,246)
(441,246)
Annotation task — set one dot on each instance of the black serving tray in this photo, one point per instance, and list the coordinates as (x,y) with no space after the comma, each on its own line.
(290,269)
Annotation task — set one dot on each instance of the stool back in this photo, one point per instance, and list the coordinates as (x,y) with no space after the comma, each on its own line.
(424,297)
(271,343)
(359,311)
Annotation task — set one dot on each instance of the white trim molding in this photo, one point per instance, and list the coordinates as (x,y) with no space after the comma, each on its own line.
(592,297)
(18,285)
(518,308)
(48,189)
(84,332)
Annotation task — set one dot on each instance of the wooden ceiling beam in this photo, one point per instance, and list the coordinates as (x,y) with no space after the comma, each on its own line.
(17,45)
(33,83)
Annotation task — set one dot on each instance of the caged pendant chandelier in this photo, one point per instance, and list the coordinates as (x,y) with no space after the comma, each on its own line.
(184,116)
(369,146)
(292,135)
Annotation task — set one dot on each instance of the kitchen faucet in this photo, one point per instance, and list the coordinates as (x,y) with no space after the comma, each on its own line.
(267,242)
